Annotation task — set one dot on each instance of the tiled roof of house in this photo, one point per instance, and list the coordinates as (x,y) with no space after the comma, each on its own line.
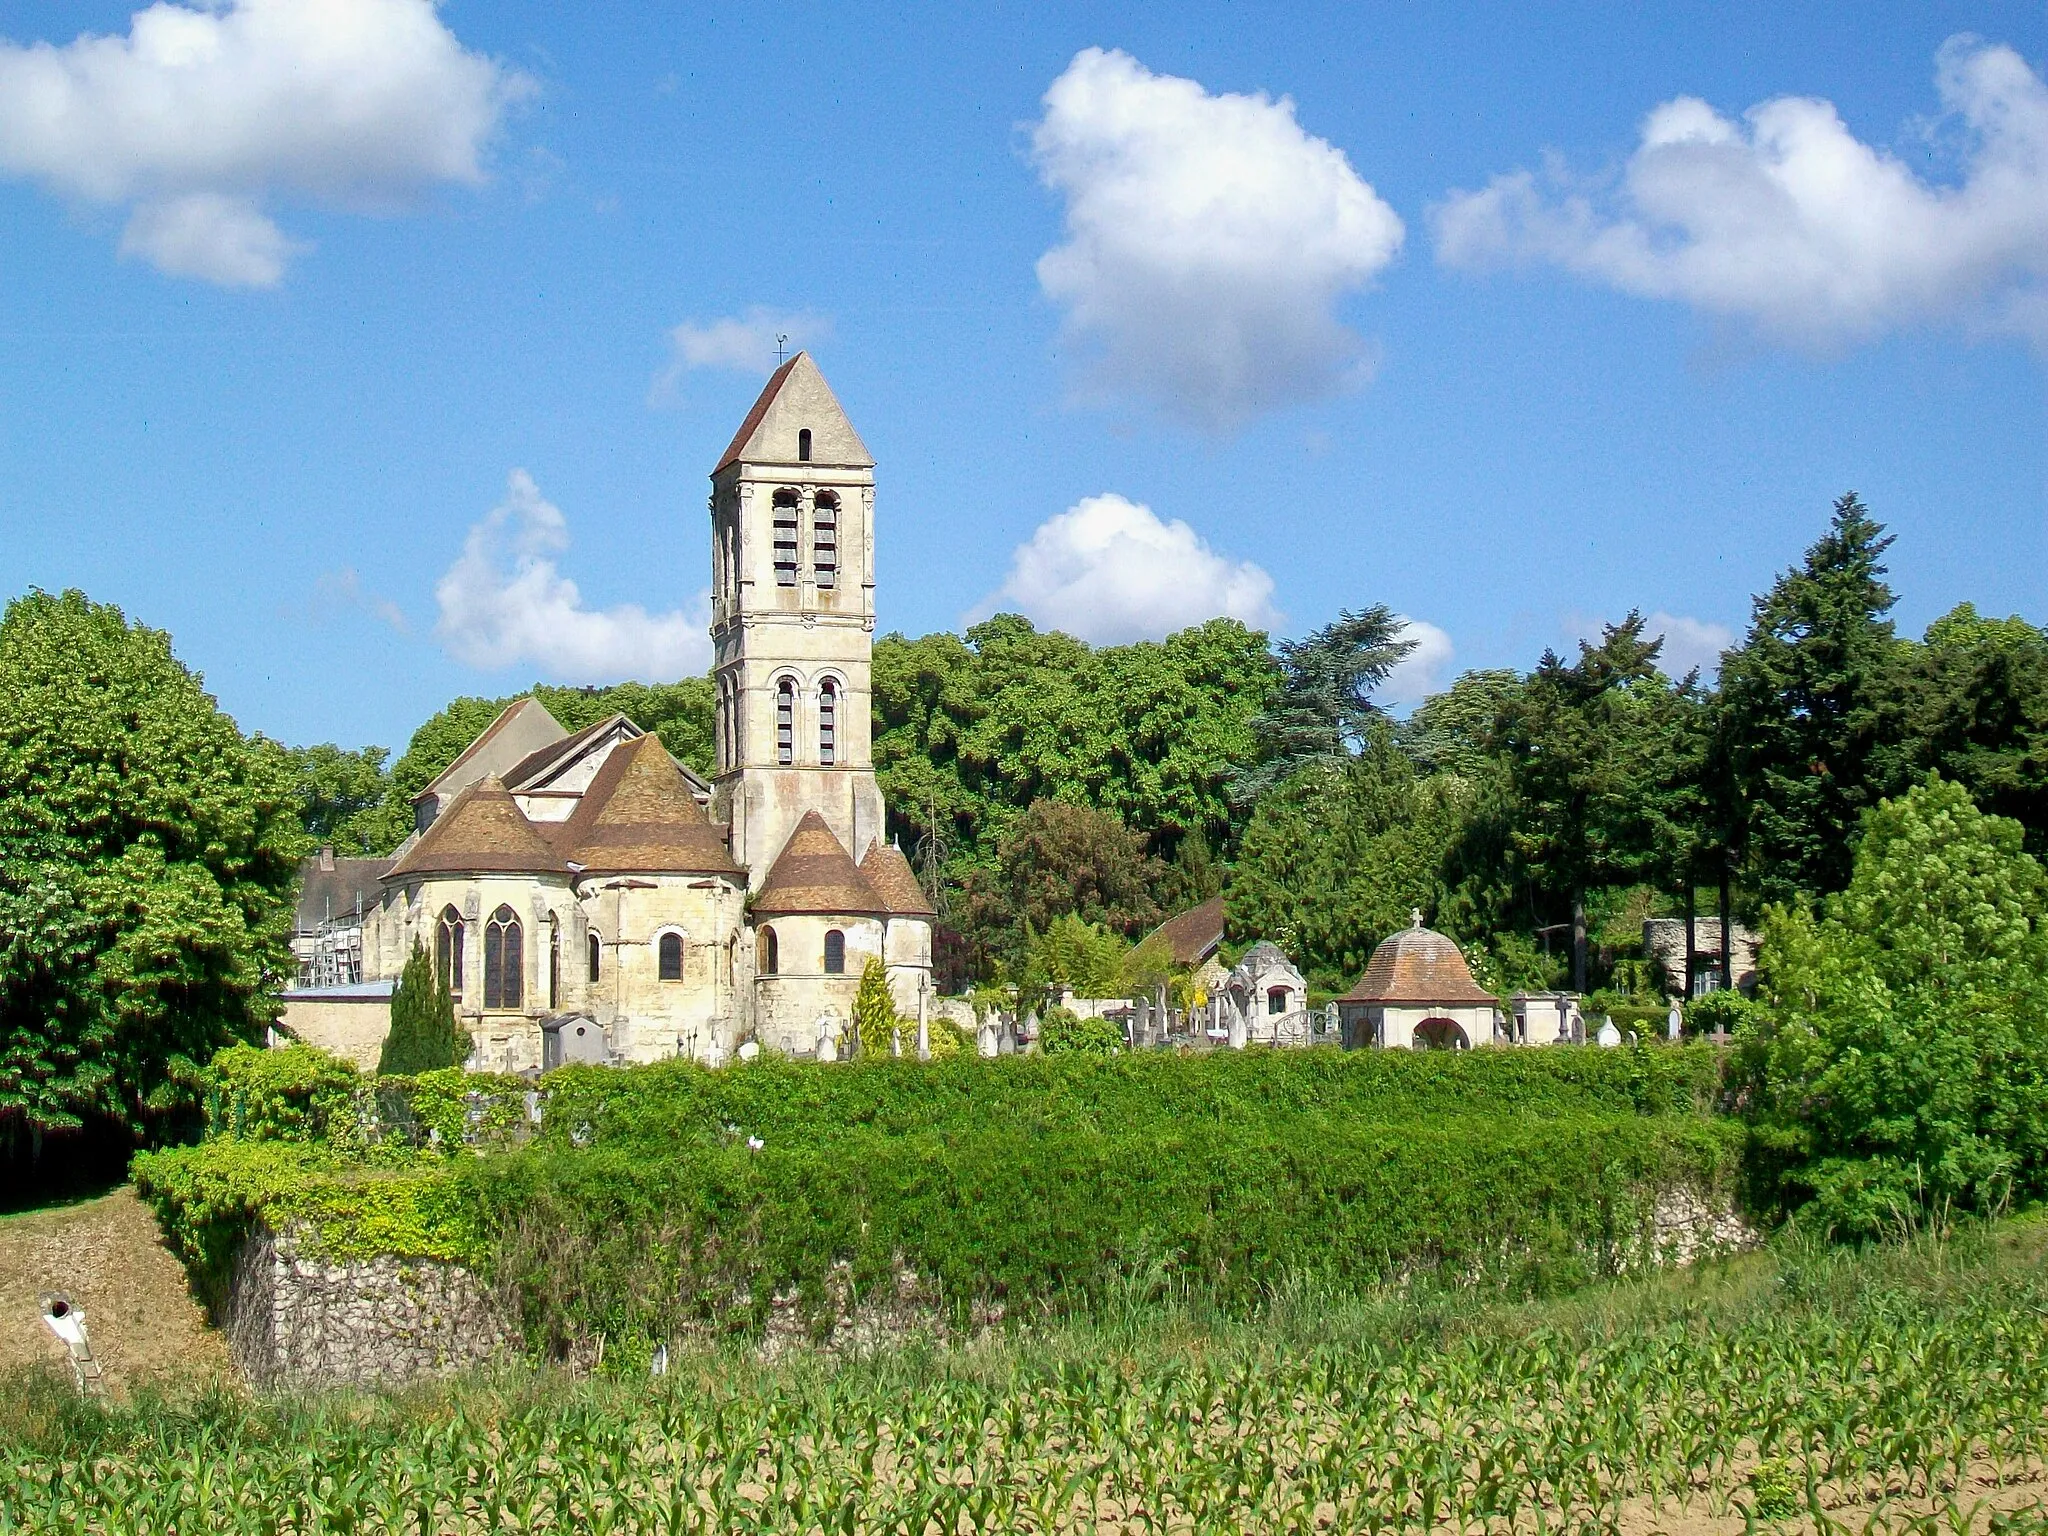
(639,815)
(1193,935)
(815,874)
(1418,965)
(483,832)
(890,874)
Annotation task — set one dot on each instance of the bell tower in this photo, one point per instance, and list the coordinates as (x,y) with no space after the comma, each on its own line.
(792,621)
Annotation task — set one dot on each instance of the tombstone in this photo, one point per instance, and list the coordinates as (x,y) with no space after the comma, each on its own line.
(572,1039)
(1608,1034)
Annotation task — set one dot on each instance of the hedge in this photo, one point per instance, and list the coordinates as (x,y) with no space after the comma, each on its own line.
(656,1106)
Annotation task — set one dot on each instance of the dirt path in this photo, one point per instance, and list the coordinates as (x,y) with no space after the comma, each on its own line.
(108,1255)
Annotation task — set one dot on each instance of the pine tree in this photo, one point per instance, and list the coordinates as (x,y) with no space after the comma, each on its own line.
(1808,734)
(424,1035)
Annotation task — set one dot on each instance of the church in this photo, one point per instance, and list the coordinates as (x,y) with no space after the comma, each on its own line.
(590,898)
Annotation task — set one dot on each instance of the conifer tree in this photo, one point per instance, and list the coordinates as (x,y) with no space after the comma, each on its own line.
(424,1035)
(874,1011)
(1809,736)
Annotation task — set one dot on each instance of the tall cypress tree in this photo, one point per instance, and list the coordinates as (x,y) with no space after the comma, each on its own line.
(424,1035)
(1809,732)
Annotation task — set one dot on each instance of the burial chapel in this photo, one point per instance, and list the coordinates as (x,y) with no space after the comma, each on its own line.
(589,897)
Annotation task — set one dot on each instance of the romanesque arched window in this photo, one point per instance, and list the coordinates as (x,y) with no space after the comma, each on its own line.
(554,962)
(769,955)
(504,961)
(828,722)
(825,540)
(803,445)
(594,956)
(785,721)
(669,959)
(835,953)
(785,538)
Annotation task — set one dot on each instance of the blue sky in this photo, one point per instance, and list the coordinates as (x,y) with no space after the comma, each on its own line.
(338,339)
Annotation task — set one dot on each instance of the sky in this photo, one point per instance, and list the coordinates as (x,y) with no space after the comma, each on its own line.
(380,351)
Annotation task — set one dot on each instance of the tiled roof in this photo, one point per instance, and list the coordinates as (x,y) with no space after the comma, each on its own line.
(890,874)
(531,765)
(639,815)
(332,889)
(483,832)
(815,874)
(1193,935)
(1418,965)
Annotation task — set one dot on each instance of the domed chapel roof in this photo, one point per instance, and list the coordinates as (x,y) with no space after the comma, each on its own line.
(1418,965)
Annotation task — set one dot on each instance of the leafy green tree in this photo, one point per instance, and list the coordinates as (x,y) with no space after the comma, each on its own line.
(1078,956)
(1059,859)
(1602,757)
(1809,723)
(1978,713)
(345,799)
(424,1036)
(1897,1064)
(1453,731)
(148,855)
(1337,856)
(1323,708)
(875,1020)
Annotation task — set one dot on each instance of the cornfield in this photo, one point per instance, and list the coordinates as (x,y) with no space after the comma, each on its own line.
(1900,1391)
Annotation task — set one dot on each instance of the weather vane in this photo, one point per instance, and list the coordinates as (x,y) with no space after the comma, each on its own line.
(781,350)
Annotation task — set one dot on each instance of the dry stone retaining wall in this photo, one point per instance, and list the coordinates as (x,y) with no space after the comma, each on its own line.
(298,1321)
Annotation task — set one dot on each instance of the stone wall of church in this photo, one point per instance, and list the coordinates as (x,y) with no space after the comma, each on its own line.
(646,1018)
(800,1000)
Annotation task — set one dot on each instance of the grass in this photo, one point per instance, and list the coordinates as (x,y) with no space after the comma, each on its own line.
(1890,1390)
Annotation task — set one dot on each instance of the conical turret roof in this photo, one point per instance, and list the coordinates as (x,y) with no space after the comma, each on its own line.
(639,815)
(891,876)
(483,832)
(1418,965)
(814,874)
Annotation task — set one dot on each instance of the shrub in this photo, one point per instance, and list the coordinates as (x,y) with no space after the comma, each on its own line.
(424,1035)
(875,1020)
(1062,1032)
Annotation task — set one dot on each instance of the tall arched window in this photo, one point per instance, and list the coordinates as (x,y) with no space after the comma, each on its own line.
(448,950)
(671,957)
(785,538)
(554,962)
(594,957)
(825,540)
(504,961)
(770,958)
(828,722)
(835,953)
(785,721)
(803,445)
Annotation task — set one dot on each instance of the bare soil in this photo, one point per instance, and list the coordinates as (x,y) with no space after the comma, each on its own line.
(109,1257)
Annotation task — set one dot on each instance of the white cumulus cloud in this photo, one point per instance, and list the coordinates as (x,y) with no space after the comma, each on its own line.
(1208,242)
(1110,571)
(505,601)
(742,343)
(203,112)
(1424,670)
(1786,220)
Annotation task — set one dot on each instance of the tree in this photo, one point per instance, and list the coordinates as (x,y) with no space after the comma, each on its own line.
(345,799)
(1453,731)
(1336,857)
(1602,778)
(148,856)
(1978,713)
(1323,708)
(1058,859)
(875,1020)
(1897,1063)
(1809,729)
(424,1036)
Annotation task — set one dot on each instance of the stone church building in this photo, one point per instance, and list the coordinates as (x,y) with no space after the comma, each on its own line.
(590,898)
